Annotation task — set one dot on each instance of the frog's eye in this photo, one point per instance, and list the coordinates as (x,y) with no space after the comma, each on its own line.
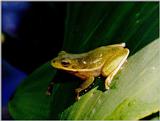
(65,63)
(61,53)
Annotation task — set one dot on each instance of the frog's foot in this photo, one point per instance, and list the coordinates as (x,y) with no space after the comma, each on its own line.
(48,93)
(84,86)
(109,79)
(50,88)
(77,91)
(107,83)
(111,75)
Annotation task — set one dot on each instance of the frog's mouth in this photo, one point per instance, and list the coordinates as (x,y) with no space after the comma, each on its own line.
(55,64)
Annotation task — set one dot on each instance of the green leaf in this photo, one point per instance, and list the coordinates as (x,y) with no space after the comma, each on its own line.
(30,100)
(134,91)
(90,25)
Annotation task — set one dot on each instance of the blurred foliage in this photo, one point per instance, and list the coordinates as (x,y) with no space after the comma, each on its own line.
(12,13)
(134,90)
(90,25)
(11,78)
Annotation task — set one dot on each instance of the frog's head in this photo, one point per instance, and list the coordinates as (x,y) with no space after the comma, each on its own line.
(65,61)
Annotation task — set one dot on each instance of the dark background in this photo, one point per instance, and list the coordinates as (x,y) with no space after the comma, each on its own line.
(34,33)
(38,37)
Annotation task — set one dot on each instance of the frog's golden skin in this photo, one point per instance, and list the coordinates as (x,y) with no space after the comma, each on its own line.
(105,61)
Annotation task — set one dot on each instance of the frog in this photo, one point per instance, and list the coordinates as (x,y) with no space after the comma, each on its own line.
(103,61)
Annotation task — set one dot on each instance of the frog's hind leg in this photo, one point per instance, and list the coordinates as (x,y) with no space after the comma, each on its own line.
(111,75)
(84,86)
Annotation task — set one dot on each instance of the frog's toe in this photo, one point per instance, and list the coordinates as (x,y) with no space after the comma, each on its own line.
(107,87)
(77,91)
(77,98)
(48,93)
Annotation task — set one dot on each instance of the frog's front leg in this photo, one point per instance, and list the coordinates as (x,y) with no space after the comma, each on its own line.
(84,86)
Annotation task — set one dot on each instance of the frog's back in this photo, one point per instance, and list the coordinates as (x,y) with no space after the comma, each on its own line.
(96,58)
(92,63)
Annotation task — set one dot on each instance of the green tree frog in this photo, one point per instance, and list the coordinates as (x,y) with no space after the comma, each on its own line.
(105,61)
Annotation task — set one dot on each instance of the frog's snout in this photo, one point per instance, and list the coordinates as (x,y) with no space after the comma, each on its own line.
(53,61)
